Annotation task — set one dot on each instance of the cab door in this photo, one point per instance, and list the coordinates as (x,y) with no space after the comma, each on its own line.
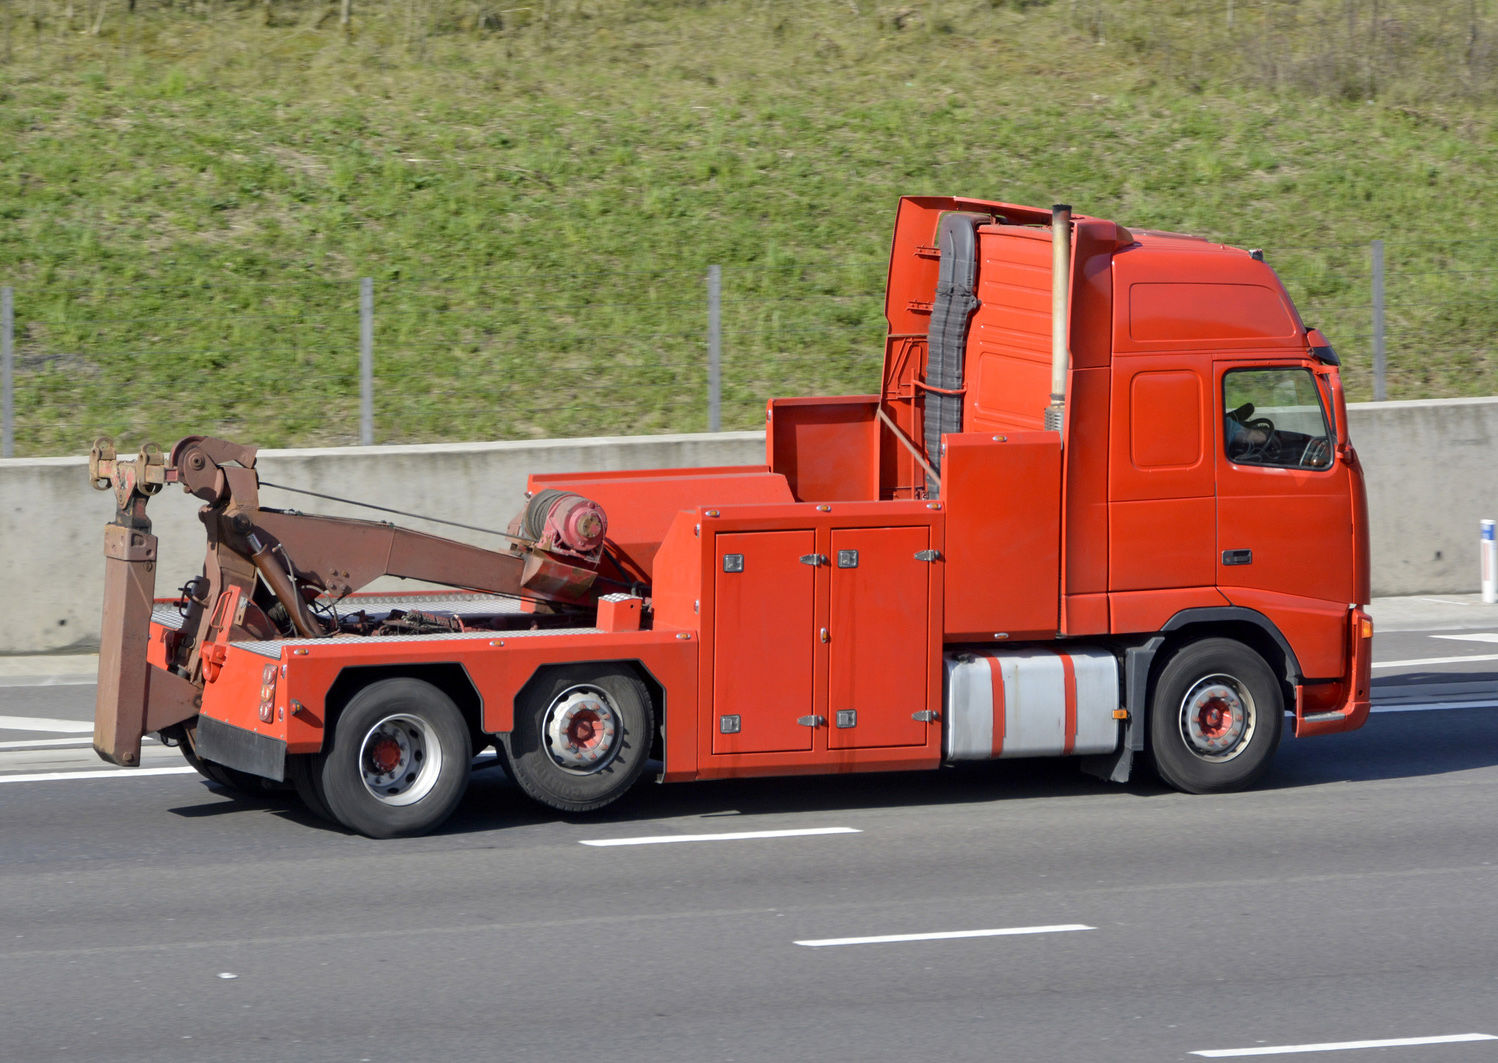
(1286,536)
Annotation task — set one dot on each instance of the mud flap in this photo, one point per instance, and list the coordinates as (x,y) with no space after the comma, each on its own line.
(246,751)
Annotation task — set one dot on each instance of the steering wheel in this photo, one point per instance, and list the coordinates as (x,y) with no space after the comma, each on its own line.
(1266,450)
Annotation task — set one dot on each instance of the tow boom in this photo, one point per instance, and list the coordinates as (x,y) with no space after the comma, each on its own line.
(284,565)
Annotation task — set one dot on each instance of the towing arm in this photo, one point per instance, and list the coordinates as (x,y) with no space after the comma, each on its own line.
(282,562)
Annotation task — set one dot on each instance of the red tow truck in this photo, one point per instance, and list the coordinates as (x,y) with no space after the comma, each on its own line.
(1102,504)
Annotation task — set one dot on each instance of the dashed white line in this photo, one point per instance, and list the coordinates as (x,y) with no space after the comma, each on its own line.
(108,773)
(945,935)
(739,836)
(1344,1046)
(1471,636)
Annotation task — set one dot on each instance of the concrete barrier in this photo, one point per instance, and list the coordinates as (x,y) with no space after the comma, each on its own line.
(1431,478)
(1432,469)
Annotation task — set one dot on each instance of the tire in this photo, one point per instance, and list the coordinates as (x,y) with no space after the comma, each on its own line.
(605,713)
(399,761)
(1215,718)
(304,770)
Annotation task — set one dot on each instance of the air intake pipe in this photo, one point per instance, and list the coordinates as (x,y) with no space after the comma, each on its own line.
(1055,413)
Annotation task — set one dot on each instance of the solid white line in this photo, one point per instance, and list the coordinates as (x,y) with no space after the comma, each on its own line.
(46,743)
(945,935)
(1342,1046)
(48,681)
(667,839)
(1471,636)
(1435,660)
(107,773)
(38,723)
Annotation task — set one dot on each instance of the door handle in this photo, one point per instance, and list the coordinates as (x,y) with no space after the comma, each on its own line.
(1237,557)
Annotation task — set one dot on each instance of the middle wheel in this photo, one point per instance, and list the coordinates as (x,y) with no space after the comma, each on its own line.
(581,737)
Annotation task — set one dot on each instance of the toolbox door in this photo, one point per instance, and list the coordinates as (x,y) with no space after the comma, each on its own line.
(763,644)
(877,634)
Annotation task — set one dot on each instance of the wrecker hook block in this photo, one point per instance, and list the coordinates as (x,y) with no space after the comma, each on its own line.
(145,475)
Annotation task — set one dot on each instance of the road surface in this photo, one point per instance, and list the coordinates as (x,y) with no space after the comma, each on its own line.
(1010,911)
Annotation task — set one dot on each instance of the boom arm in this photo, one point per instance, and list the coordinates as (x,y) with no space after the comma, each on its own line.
(297,557)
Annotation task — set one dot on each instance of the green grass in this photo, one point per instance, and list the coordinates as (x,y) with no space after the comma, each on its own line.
(188,198)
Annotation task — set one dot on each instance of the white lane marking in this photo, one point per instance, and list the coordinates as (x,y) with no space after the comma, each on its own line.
(1343,1046)
(49,681)
(46,743)
(1434,706)
(946,935)
(1435,660)
(55,743)
(107,773)
(1471,636)
(39,723)
(747,835)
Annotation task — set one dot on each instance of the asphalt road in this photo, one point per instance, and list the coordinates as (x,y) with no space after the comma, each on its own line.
(1351,901)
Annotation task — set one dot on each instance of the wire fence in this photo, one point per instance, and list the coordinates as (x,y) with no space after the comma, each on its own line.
(517,354)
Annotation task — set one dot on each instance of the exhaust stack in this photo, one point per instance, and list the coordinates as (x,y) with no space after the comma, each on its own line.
(1060,313)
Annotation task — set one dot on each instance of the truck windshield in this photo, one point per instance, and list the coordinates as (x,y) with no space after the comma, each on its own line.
(1275,417)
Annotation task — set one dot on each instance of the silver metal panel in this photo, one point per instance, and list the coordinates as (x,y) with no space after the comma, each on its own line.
(167,616)
(969,708)
(1097,698)
(273,647)
(1033,685)
(1034,704)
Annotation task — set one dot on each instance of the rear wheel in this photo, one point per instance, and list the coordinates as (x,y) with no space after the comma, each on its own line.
(1215,718)
(399,761)
(581,737)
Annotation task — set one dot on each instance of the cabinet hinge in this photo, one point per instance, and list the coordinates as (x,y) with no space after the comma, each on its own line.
(928,555)
(925,716)
(811,721)
(813,559)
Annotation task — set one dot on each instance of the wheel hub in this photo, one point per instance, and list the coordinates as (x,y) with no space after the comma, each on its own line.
(1217,717)
(582,730)
(400,759)
(385,755)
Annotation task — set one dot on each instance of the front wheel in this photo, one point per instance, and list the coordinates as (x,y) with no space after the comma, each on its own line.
(399,762)
(1215,718)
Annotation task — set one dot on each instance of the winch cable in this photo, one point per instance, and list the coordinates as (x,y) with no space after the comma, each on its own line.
(622,584)
(396,512)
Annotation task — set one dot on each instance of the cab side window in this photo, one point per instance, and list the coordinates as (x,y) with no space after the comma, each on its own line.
(1275,417)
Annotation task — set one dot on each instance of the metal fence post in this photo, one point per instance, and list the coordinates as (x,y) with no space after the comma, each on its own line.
(715,348)
(1380,390)
(7,373)
(366,361)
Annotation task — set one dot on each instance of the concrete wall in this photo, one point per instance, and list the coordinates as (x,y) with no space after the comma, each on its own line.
(1432,470)
(1431,477)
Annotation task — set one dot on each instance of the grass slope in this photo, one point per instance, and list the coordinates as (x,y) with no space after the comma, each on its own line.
(189,196)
